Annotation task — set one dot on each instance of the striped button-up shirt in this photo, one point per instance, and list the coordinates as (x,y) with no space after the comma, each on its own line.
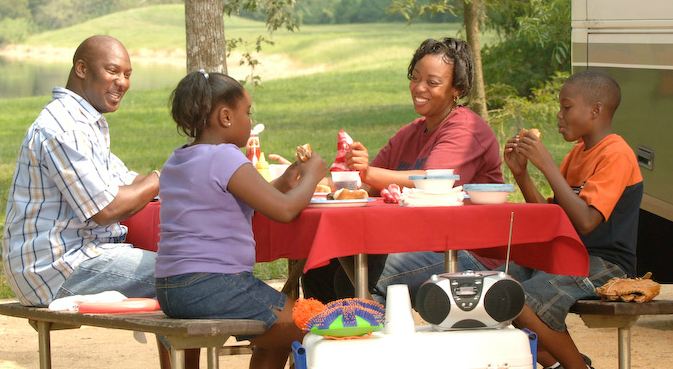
(65,174)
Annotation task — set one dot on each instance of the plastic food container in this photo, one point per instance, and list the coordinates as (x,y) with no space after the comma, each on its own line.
(488,193)
(346,179)
(438,172)
(435,183)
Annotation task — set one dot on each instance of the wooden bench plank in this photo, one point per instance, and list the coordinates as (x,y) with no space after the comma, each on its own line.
(154,322)
(620,315)
(181,333)
(598,307)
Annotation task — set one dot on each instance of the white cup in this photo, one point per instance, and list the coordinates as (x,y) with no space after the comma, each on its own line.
(398,319)
(346,179)
(277,170)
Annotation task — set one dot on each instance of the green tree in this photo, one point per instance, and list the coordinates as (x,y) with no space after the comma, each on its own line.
(15,21)
(207,46)
(534,45)
(14,9)
(473,15)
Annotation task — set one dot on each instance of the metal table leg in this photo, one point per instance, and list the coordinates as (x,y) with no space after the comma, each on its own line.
(177,358)
(624,347)
(361,277)
(44,344)
(451,261)
(213,358)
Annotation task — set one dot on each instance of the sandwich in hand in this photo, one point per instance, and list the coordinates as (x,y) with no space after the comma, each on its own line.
(534,131)
(304,152)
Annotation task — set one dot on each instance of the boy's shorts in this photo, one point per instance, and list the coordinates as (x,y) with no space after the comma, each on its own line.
(219,296)
(552,295)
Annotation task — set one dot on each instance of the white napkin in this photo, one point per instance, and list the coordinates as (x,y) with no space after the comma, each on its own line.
(71,303)
(413,197)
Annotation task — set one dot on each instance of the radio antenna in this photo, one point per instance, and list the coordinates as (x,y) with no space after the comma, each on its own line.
(509,242)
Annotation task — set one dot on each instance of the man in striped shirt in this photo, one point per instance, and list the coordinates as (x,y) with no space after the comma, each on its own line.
(62,234)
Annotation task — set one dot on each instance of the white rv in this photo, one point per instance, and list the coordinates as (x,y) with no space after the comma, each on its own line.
(633,42)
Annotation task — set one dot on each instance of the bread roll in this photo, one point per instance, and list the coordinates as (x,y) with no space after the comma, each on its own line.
(304,152)
(346,194)
(534,131)
(322,188)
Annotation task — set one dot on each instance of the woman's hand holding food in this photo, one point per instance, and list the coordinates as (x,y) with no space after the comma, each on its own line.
(357,158)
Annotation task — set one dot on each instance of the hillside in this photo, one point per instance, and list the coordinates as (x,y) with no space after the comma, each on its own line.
(158,32)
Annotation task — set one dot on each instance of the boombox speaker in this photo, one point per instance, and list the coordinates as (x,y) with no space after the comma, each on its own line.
(483,299)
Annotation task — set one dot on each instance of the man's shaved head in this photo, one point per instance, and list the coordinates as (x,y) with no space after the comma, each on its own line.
(597,87)
(95,47)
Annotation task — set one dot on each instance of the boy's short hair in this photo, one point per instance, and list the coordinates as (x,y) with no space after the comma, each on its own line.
(598,87)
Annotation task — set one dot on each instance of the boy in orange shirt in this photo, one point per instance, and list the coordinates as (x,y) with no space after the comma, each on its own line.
(599,186)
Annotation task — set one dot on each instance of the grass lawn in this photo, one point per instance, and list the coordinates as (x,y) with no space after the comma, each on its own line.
(363,90)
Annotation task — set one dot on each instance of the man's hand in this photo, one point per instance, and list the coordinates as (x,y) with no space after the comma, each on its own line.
(129,200)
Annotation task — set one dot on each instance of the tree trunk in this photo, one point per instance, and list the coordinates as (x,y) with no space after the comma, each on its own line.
(205,35)
(471,17)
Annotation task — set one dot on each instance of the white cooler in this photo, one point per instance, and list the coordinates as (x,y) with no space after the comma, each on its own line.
(423,349)
(401,345)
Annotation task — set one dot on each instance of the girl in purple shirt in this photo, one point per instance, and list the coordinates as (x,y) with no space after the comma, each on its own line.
(209,191)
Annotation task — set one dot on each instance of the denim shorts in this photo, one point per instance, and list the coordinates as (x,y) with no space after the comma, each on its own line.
(552,295)
(219,296)
(414,268)
(119,267)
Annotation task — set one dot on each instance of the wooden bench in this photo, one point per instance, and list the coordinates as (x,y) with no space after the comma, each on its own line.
(620,315)
(181,333)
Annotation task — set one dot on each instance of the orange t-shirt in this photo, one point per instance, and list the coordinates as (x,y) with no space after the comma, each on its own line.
(601,174)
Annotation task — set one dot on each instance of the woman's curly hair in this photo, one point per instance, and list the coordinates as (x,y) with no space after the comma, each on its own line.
(453,51)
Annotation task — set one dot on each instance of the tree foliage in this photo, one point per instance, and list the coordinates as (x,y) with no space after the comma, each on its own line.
(534,42)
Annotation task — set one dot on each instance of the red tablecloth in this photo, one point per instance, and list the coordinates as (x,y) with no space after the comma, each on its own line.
(542,235)
(144,227)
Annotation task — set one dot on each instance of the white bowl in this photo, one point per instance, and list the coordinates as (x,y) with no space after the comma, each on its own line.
(435,184)
(488,193)
(438,172)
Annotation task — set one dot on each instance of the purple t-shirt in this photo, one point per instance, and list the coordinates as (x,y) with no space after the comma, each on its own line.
(204,228)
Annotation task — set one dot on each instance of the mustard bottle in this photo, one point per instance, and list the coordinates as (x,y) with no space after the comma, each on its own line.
(263,167)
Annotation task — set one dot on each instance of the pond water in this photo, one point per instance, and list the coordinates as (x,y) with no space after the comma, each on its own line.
(20,78)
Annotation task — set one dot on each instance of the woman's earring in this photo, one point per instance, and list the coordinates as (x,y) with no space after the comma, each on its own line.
(227,124)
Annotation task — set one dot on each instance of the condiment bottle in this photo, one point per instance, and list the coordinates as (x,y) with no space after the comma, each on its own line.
(253,149)
(263,167)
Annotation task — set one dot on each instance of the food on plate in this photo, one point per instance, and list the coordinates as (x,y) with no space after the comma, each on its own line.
(322,188)
(534,131)
(346,194)
(304,152)
(629,289)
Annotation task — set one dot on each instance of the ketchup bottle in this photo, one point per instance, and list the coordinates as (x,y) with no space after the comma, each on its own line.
(253,149)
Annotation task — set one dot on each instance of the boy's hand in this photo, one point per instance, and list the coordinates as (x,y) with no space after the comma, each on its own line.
(514,160)
(534,150)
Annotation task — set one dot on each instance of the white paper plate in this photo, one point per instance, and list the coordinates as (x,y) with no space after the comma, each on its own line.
(324,203)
